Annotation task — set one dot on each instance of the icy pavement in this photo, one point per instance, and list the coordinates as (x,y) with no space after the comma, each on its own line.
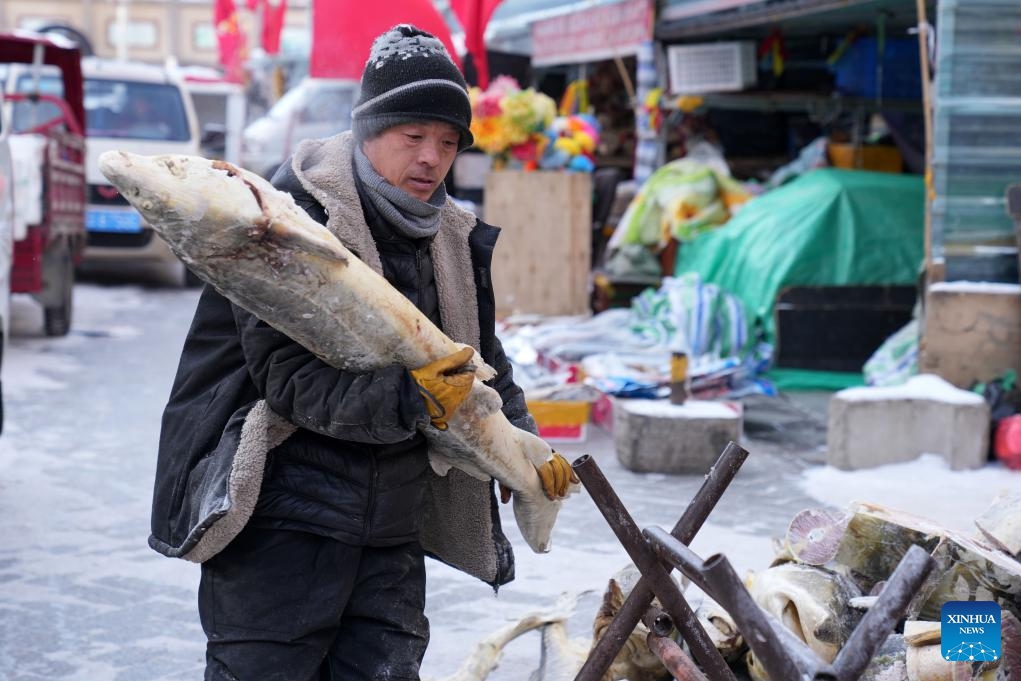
(83,598)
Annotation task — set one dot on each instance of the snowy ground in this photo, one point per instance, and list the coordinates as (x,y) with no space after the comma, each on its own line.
(83,598)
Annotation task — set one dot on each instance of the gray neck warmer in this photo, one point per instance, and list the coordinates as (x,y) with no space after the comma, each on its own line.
(409,216)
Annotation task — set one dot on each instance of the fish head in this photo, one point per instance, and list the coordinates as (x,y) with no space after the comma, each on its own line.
(207,210)
(181,195)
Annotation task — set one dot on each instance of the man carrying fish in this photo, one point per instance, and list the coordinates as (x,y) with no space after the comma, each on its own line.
(323,576)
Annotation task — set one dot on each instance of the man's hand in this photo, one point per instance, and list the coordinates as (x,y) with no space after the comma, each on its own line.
(444,385)
(556,476)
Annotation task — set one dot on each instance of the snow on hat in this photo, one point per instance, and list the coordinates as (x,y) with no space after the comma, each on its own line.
(410,77)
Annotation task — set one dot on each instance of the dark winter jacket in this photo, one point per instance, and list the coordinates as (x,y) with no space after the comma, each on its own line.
(341,452)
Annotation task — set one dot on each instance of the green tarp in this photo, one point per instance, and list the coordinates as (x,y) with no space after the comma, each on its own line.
(828,227)
(790,380)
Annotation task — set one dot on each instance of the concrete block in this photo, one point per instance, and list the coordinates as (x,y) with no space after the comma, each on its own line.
(971,331)
(654,436)
(871,427)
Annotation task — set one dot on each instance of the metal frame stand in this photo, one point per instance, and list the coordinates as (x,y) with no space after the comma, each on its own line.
(655,552)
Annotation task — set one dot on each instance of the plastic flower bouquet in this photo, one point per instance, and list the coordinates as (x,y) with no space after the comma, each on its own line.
(510,124)
(572,142)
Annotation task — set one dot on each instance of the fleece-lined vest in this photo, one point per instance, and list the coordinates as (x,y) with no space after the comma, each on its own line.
(458,527)
(204,498)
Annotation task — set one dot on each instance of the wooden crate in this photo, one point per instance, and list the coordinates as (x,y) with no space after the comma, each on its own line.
(542,260)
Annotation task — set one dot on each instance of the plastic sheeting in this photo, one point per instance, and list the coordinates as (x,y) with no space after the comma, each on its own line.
(690,316)
(683,199)
(28,155)
(827,228)
(896,360)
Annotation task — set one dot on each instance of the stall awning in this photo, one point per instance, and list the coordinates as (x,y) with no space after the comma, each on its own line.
(674,10)
(592,34)
(685,20)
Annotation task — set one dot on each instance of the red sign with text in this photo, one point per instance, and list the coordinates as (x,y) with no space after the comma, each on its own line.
(592,34)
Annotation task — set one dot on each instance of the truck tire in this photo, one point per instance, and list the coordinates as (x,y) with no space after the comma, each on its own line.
(57,315)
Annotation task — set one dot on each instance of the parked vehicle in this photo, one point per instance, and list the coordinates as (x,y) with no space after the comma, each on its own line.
(315,107)
(221,110)
(47,146)
(133,107)
(142,109)
(6,238)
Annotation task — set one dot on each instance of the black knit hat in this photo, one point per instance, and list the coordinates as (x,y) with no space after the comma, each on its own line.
(410,77)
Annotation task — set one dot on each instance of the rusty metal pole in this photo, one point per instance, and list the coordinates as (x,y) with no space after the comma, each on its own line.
(883,616)
(657,621)
(648,563)
(673,657)
(717,578)
(702,504)
(860,647)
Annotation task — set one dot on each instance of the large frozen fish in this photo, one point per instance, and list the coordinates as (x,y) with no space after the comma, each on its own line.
(1001,524)
(811,602)
(264,253)
(722,630)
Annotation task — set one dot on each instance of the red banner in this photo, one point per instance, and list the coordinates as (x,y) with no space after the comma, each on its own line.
(272,24)
(343,31)
(592,34)
(474,15)
(230,40)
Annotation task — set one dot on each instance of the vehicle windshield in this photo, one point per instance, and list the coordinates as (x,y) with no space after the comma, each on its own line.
(113,108)
(134,110)
(286,105)
(27,114)
(315,103)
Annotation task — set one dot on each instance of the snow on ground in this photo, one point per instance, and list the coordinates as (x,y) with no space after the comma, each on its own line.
(922,387)
(976,287)
(84,598)
(926,487)
(35,362)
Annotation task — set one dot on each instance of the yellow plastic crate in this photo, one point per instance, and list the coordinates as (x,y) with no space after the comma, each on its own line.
(561,420)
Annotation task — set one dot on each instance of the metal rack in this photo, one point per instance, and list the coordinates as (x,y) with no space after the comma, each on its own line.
(655,552)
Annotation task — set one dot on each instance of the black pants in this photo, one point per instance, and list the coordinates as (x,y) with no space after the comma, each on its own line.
(292,606)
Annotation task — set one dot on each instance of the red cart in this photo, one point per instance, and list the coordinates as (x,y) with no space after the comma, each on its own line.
(48,153)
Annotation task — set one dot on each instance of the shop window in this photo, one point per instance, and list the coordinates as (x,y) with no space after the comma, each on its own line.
(137,33)
(31,22)
(203,37)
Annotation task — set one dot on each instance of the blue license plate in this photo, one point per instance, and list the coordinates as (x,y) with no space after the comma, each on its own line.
(127,221)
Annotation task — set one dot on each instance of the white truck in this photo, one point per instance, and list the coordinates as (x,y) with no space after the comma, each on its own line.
(316,107)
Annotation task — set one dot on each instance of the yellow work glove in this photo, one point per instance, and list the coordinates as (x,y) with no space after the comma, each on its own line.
(556,476)
(444,385)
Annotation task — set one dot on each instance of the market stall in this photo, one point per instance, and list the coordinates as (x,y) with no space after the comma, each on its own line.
(547,144)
